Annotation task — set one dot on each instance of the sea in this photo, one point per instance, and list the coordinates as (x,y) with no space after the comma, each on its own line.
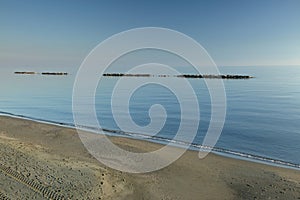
(262,121)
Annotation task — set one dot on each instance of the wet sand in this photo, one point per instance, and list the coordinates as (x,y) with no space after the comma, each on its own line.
(41,161)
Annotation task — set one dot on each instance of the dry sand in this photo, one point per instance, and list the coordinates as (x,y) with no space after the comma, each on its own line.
(41,161)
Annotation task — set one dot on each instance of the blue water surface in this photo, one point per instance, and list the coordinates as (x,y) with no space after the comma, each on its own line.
(263,113)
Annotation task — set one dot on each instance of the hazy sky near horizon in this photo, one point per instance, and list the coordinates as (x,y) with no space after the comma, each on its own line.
(61,33)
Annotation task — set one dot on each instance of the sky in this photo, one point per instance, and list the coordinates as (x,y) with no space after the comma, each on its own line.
(61,33)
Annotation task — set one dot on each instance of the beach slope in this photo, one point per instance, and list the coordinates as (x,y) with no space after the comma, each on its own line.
(42,161)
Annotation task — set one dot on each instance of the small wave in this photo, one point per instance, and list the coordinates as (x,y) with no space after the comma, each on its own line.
(163,140)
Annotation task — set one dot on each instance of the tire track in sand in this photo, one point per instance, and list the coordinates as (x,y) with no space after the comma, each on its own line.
(36,187)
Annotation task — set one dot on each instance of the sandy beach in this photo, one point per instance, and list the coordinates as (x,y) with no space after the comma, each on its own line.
(42,161)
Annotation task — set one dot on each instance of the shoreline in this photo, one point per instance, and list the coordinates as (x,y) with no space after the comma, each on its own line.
(163,141)
(38,155)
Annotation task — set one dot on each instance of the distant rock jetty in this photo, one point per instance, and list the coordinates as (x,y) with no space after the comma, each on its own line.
(25,72)
(43,73)
(54,73)
(215,76)
(135,75)
(182,76)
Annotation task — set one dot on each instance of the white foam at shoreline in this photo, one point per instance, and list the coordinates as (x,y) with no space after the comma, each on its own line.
(162,140)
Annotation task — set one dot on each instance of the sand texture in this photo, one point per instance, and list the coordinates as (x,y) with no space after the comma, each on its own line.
(41,161)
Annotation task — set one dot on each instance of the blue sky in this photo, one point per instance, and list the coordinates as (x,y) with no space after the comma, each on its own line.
(61,33)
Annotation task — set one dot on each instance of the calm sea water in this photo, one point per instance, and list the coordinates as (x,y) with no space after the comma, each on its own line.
(262,122)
